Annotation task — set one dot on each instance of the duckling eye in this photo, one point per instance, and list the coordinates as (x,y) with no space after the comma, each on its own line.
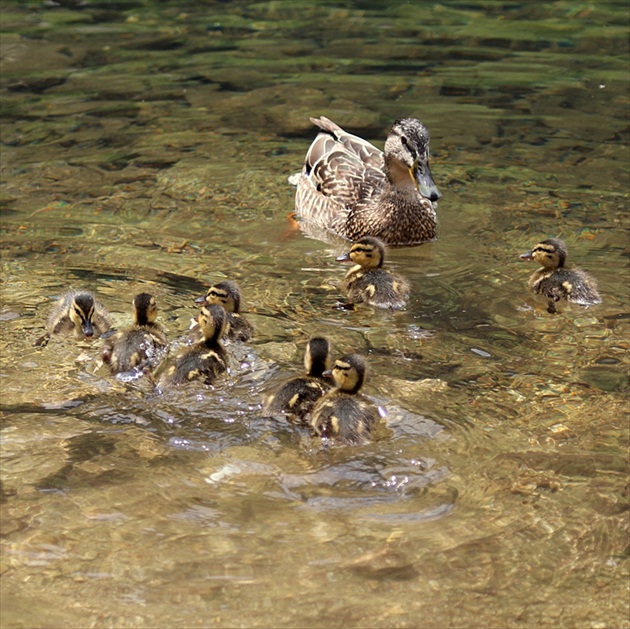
(405,142)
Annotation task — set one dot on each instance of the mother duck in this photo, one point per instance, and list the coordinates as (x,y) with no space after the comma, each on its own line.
(349,187)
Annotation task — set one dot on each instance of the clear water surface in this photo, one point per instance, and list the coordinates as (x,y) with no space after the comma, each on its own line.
(146,147)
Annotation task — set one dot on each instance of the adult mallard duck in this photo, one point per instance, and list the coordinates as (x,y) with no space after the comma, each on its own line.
(344,414)
(228,295)
(368,282)
(351,188)
(555,282)
(77,313)
(143,345)
(296,397)
(205,360)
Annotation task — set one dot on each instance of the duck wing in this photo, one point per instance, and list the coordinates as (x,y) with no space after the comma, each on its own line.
(342,166)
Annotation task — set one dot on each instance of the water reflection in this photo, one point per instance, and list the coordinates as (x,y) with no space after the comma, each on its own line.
(147,148)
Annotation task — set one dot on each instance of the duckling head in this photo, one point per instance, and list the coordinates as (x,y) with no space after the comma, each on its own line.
(367,252)
(145,309)
(407,157)
(317,357)
(551,253)
(82,311)
(212,321)
(226,294)
(349,373)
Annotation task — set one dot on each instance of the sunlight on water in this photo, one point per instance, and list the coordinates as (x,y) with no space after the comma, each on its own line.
(147,148)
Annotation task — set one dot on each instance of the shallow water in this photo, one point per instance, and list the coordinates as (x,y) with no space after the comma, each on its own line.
(146,148)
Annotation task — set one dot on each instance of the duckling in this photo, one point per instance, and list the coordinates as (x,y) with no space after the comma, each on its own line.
(556,282)
(344,414)
(77,313)
(368,282)
(350,188)
(143,345)
(297,396)
(228,295)
(207,359)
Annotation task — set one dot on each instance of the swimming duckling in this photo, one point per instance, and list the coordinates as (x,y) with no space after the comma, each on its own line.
(228,295)
(77,313)
(351,188)
(207,359)
(555,282)
(143,345)
(368,282)
(344,414)
(297,396)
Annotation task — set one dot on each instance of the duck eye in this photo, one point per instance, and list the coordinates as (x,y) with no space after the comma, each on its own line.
(405,142)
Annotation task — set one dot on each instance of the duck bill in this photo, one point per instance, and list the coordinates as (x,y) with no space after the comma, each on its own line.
(425,183)
(526,256)
(201,300)
(86,327)
(344,258)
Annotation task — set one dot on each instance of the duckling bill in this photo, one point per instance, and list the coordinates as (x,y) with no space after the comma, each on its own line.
(367,282)
(297,397)
(143,345)
(344,414)
(556,282)
(78,314)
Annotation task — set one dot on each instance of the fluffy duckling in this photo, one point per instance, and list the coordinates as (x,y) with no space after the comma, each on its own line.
(555,282)
(344,414)
(367,282)
(228,295)
(204,360)
(141,346)
(297,396)
(77,313)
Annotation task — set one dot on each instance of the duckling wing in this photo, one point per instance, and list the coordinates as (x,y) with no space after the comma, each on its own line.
(582,289)
(296,397)
(378,288)
(345,418)
(343,166)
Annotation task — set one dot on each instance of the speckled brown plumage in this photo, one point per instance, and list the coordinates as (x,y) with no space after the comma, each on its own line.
(351,188)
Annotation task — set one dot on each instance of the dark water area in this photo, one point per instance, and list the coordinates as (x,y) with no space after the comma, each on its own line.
(146,147)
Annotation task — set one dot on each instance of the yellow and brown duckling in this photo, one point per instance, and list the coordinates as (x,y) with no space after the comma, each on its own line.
(344,414)
(78,314)
(206,359)
(143,345)
(296,397)
(555,282)
(351,188)
(367,282)
(228,295)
